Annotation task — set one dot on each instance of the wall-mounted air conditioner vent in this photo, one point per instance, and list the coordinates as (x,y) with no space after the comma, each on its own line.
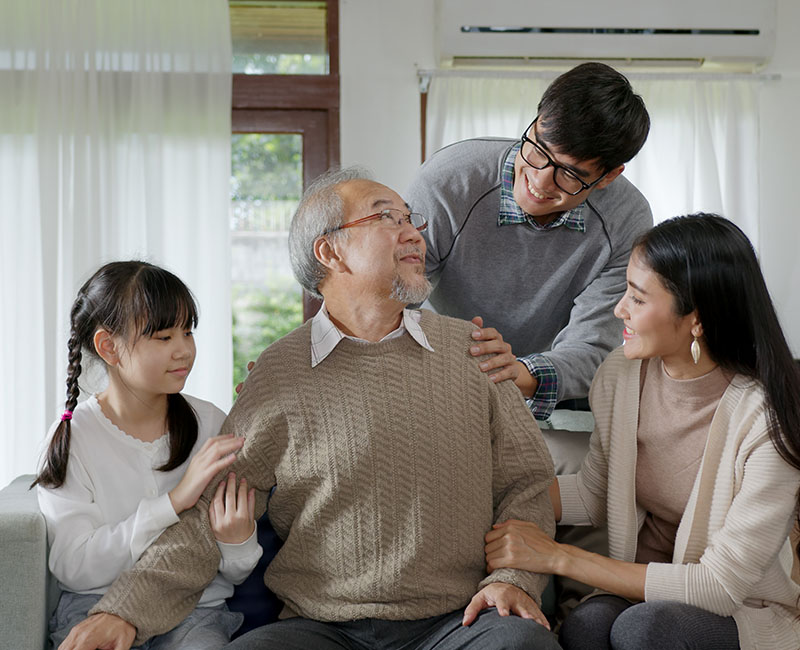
(721,31)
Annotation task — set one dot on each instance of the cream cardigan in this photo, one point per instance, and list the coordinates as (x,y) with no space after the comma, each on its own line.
(732,555)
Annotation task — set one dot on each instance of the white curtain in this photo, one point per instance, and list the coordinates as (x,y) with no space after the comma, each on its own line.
(114,144)
(701,154)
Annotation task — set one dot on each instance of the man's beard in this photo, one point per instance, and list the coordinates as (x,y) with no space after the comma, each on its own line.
(410,294)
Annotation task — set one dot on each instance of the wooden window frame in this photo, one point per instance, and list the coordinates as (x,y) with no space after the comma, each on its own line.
(305,104)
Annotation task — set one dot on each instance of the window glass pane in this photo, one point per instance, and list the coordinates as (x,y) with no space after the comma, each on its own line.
(266,184)
(279,37)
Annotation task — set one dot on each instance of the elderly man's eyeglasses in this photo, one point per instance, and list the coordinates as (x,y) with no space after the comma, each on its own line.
(538,158)
(390,217)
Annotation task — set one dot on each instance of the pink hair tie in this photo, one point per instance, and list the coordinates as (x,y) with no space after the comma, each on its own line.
(67,415)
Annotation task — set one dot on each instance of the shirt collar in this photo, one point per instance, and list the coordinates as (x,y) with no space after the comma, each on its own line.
(511,213)
(325,336)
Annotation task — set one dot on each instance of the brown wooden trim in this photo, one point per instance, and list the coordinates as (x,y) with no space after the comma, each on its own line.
(334,148)
(423,123)
(286,91)
(276,121)
(333,37)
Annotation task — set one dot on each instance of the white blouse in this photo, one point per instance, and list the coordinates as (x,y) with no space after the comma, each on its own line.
(114,503)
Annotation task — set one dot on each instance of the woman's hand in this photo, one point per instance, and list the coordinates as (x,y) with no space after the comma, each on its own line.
(214,456)
(517,544)
(232,515)
(522,545)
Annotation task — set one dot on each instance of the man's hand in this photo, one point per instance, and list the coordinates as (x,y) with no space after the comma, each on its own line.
(100,632)
(238,388)
(508,599)
(503,365)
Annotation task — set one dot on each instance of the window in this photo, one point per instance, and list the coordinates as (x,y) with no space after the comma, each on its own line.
(285,123)
(279,37)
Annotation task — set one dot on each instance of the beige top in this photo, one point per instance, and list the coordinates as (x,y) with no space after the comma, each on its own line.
(674,417)
(390,462)
(732,555)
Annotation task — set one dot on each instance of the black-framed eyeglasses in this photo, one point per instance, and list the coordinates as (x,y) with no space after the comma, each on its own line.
(533,154)
(391,217)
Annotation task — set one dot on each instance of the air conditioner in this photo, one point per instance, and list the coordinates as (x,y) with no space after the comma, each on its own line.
(721,31)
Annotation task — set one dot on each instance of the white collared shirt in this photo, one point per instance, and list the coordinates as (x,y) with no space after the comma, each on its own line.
(325,336)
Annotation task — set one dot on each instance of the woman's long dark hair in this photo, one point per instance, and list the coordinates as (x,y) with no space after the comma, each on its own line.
(131,300)
(709,265)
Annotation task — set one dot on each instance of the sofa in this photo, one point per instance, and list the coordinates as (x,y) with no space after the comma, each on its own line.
(29,593)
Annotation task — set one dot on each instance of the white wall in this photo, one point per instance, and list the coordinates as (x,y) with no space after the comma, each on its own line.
(779,216)
(382,45)
(384,42)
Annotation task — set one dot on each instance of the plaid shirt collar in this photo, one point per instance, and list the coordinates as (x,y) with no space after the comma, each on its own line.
(511,213)
(325,336)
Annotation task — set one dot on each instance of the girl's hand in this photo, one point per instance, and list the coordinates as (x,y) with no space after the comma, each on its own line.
(521,545)
(214,456)
(232,515)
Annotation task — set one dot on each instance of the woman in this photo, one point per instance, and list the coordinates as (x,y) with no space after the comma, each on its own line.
(694,460)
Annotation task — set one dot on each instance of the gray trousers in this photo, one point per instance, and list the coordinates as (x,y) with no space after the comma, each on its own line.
(613,623)
(206,628)
(490,631)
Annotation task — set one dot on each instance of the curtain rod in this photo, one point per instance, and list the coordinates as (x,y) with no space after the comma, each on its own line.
(426,75)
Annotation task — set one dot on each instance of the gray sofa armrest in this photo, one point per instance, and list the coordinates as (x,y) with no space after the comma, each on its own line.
(30,593)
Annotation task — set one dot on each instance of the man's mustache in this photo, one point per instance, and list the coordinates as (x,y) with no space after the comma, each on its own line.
(411,249)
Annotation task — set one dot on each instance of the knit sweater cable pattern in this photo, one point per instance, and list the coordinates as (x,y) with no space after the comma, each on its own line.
(390,463)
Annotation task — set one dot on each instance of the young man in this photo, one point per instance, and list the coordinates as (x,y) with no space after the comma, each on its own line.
(390,453)
(534,235)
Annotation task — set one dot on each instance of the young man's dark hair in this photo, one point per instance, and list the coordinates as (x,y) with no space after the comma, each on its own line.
(592,113)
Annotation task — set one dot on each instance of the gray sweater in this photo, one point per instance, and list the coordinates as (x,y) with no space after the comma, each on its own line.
(546,291)
(390,463)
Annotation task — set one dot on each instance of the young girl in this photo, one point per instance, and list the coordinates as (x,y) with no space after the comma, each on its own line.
(122,465)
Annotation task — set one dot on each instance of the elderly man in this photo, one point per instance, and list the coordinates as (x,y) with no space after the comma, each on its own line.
(390,453)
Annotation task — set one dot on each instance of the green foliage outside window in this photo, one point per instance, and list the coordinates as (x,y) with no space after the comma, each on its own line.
(266,184)
(280,63)
(266,166)
(262,317)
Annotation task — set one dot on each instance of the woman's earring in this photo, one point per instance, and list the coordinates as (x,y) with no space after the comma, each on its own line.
(695,348)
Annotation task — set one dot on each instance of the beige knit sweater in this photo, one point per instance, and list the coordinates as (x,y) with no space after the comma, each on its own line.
(732,555)
(390,463)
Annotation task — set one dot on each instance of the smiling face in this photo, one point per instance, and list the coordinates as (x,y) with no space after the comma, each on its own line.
(652,327)
(384,259)
(157,364)
(536,192)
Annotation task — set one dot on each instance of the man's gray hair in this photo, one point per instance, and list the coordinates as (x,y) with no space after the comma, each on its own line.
(320,210)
